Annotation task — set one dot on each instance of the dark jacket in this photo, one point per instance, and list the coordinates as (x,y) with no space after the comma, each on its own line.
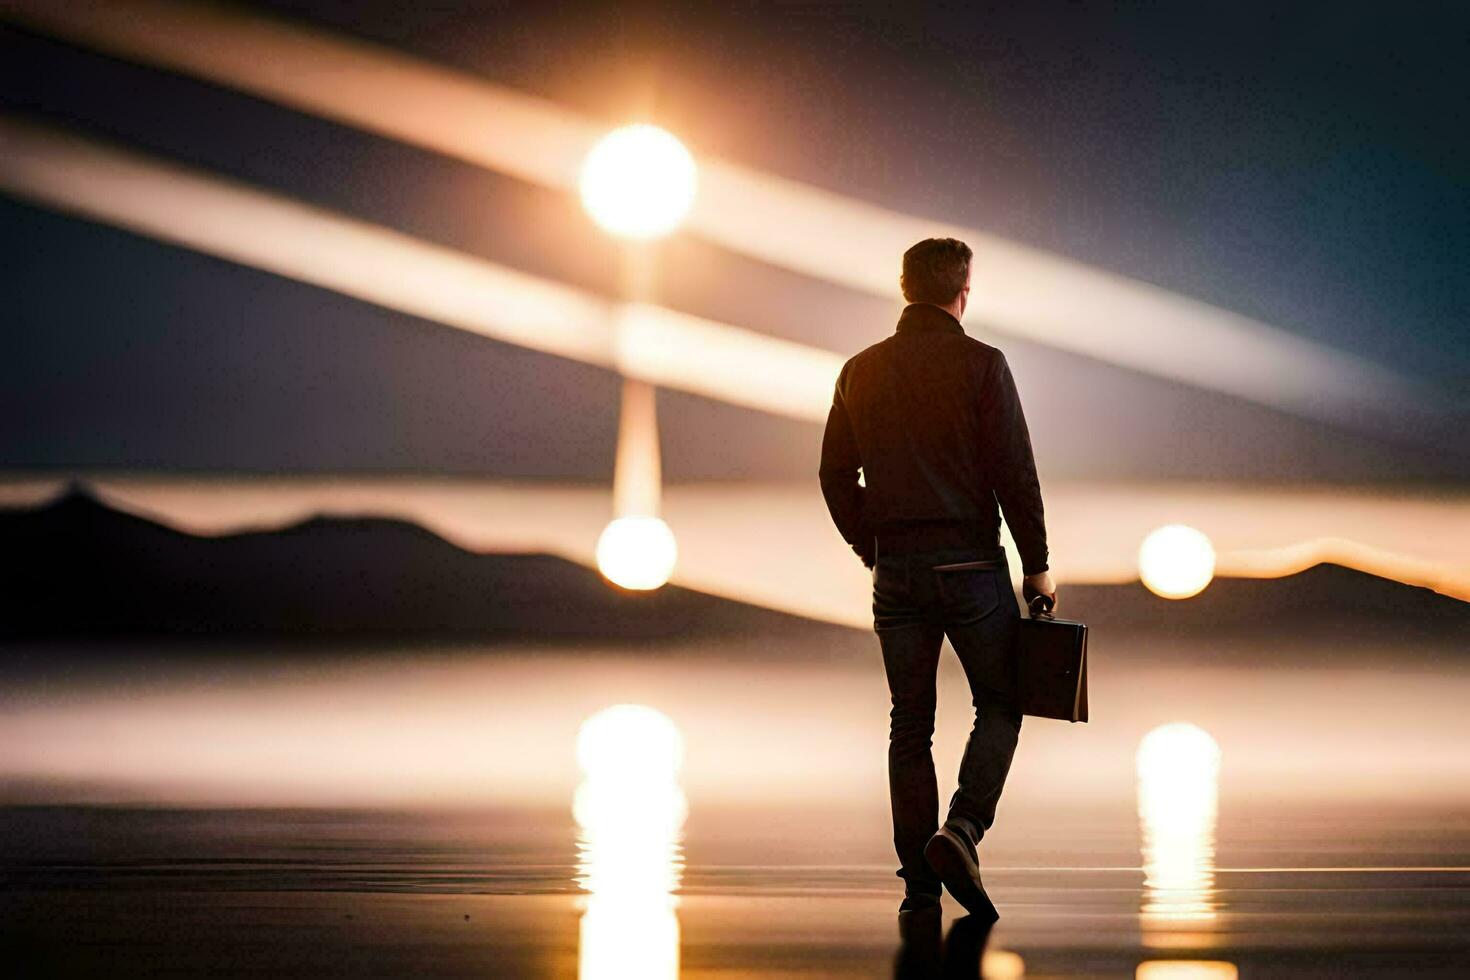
(932,417)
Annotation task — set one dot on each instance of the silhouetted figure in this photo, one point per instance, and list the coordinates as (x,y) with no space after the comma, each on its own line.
(931,418)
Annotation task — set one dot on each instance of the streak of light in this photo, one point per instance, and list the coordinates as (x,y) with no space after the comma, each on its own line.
(779,376)
(637,470)
(1019,290)
(368,262)
(266,231)
(1383,562)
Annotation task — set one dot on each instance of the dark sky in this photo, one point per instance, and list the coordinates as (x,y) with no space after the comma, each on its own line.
(1304,164)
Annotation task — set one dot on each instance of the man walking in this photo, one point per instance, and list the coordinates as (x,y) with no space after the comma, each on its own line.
(925,447)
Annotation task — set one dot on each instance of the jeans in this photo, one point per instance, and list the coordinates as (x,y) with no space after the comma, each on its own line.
(914,607)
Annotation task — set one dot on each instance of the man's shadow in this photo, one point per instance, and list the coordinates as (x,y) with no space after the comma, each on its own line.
(924,952)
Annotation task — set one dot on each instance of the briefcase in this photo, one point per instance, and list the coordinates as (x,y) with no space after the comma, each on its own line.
(1052,669)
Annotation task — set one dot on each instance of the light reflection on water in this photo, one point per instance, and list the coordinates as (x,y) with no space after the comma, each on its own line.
(1002,964)
(630,811)
(99,885)
(1186,970)
(1178,803)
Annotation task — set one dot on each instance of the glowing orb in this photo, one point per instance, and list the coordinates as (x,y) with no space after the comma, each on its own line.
(638,182)
(637,552)
(1176,561)
(630,743)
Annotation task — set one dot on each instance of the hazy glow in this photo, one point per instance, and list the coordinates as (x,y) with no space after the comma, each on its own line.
(630,811)
(637,552)
(1178,798)
(1023,291)
(638,182)
(1186,970)
(1176,561)
(373,733)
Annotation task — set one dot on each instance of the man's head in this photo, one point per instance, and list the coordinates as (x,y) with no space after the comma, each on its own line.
(937,270)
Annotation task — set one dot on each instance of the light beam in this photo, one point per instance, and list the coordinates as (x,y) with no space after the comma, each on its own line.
(1018,290)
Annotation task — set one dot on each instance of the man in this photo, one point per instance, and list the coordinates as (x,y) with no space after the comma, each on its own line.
(925,446)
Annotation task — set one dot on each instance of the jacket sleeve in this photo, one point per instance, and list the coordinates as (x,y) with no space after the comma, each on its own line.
(839,476)
(1012,466)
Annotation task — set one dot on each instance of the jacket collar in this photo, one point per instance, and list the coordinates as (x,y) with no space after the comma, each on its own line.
(925,317)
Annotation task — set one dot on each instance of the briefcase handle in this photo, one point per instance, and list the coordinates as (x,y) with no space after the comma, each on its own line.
(1039,605)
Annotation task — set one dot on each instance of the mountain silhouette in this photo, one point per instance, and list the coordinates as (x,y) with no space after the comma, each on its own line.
(77,567)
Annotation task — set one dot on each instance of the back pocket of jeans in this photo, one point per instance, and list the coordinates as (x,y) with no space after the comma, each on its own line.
(970,594)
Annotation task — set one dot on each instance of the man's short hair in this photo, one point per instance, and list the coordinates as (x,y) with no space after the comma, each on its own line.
(935,270)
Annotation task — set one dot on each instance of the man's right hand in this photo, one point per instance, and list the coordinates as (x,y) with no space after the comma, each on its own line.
(1039,584)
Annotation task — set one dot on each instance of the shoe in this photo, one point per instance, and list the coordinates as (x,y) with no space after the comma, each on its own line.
(952,856)
(918,901)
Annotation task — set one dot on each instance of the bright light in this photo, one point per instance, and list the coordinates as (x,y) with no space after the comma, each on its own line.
(637,552)
(621,940)
(630,742)
(1178,799)
(1002,964)
(638,182)
(630,811)
(1186,970)
(1176,561)
(629,846)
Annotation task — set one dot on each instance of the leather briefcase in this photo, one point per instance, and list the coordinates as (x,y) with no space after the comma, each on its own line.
(1052,666)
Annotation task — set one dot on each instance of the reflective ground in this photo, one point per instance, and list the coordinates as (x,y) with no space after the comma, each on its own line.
(524,893)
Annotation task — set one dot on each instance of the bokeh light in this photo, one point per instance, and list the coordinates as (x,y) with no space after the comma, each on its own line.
(638,182)
(637,552)
(1176,561)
